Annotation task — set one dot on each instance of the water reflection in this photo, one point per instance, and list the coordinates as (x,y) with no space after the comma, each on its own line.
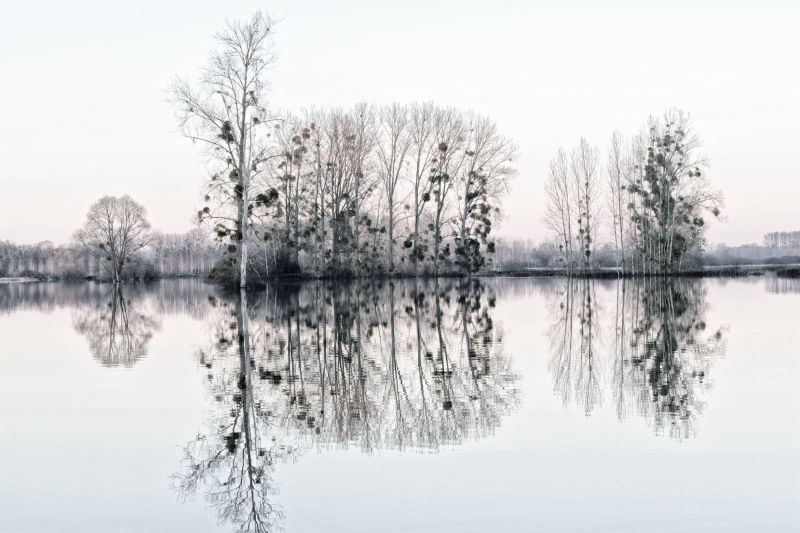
(117,328)
(781,285)
(373,365)
(573,335)
(117,322)
(655,364)
(165,297)
(234,460)
(47,297)
(381,368)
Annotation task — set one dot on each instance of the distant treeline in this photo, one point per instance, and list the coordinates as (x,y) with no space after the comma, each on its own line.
(166,255)
(519,254)
(195,254)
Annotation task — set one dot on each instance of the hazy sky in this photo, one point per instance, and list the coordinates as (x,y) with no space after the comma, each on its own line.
(84,111)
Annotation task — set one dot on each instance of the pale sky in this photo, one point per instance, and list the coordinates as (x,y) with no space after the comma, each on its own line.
(84,111)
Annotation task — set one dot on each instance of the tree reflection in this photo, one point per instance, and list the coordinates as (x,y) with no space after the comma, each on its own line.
(781,285)
(660,355)
(574,337)
(376,365)
(233,461)
(116,327)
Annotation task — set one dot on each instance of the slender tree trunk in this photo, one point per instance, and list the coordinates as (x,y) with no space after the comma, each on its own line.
(391,235)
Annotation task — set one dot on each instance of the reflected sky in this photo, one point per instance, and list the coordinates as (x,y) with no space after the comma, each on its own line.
(448,405)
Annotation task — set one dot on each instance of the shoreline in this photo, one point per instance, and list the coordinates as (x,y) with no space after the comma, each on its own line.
(736,271)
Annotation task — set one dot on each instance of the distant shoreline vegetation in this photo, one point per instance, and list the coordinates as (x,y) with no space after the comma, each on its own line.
(789,268)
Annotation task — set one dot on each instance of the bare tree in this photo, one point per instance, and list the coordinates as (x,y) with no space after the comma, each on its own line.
(422,132)
(293,141)
(361,143)
(616,186)
(227,115)
(674,194)
(584,176)
(392,149)
(480,186)
(451,138)
(634,179)
(115,230)
(316,123)
(558,214)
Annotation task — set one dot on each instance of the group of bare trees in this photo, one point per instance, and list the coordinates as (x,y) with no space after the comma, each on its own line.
(411,188)
(572,190)
(657,198)
(182,254)
(42,259)
(783,239)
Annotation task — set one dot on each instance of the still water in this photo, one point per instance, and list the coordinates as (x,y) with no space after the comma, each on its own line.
(505,405)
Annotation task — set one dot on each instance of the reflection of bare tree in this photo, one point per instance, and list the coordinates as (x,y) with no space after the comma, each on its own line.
(385,365)
(117,329)
(574,344)
(233,461)
(370,364)
(671,353)
(660,354)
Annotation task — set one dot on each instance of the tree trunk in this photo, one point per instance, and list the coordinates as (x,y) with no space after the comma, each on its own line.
(391,234)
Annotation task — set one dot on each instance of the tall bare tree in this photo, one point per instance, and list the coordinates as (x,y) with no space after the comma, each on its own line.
(393,145)
(226,113)
(634,179)
(450,134)
(587,189)
(361,144)
(559,206)
(480,186)
(422,132)
(616,194)
(675,196)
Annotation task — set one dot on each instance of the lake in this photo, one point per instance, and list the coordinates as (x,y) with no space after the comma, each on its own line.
(504,404)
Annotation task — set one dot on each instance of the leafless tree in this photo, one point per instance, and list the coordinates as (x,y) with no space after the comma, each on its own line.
(616,194)
(480,186)
(115,230)
(361,144)
(675,194)
(559,205)
(450,135)
(585,178)
(393,146)
(227,114)
(422,132)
